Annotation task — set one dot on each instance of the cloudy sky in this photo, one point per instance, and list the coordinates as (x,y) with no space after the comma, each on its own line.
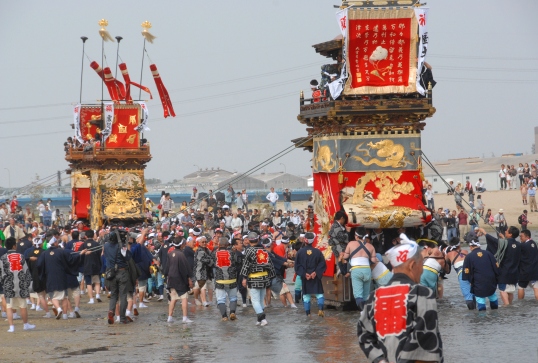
(234,70)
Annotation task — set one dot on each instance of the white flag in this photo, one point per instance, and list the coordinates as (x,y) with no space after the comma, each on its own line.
(341,17)
(76,116)
(421,15)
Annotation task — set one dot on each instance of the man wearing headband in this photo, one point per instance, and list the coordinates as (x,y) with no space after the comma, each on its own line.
(257,272)
(310,265)
(507,253)
(31,256)
(392,327)
(360,256)
(203,269)
(455,256)
(225,278)
(338,239)
(179,282)
(280,263)
(482,271)
(434,264)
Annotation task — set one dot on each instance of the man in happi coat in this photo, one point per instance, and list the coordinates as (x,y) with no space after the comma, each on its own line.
(399,322)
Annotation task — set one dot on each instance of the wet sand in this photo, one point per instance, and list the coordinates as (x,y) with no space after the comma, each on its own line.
(467,336)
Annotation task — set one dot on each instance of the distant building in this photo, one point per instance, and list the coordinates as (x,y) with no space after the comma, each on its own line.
(461,170)
(281,180)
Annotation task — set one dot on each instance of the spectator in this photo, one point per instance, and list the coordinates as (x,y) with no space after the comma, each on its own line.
(480,186)
(502,175)
(524,190)
(480,205)
(287,199)
(239,200)
(272,197)
(523,220)
(47,217)
(531,192)
(429,197)
(462,221)
(520,173)
(500,221)
(228,196)
(244,195)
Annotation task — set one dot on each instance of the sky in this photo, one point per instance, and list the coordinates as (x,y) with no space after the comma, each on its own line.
(234,70)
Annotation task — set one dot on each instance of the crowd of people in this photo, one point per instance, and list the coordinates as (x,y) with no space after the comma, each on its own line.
(196,252)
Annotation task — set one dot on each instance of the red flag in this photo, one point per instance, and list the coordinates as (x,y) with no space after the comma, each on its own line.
(165,98)
(116,89)
(128,83)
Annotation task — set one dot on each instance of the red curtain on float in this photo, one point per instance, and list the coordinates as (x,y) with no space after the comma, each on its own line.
(81,198)
(379,193)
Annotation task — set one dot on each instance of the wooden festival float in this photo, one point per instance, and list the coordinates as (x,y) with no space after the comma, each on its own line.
(364,129)
(109,153)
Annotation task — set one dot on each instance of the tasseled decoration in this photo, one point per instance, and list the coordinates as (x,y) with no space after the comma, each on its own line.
(128,83)
(146,34)
(116,89)
(103,32)
(165,98)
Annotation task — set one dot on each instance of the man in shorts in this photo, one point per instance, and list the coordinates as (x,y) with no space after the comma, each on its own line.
(92,267)
(179,283)
(15,278)
(54,266)
(278,286)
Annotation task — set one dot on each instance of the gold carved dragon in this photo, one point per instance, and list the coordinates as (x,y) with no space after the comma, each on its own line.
(389,153)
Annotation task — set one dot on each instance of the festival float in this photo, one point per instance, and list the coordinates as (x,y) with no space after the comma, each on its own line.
(109,152)
(364,124)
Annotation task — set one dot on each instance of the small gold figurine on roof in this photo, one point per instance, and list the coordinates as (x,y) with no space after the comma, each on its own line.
(103,32)
(145,33)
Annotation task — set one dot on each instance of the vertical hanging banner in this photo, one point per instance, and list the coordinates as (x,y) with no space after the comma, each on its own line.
(381,51)
(109,119)
(420,15)
(76,115)
(145,114)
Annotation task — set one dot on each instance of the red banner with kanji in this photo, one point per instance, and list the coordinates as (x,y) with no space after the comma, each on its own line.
(87,115)
(124,134)
(381,51)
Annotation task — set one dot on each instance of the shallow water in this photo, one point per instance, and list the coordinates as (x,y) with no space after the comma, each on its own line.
(505,335)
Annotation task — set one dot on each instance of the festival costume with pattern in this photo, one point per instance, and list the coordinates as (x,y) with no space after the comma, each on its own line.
(258,270)
(338,240)
(399,323)
(482,272)
(308,260)
(14,275)
(225,279)
(203,264)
